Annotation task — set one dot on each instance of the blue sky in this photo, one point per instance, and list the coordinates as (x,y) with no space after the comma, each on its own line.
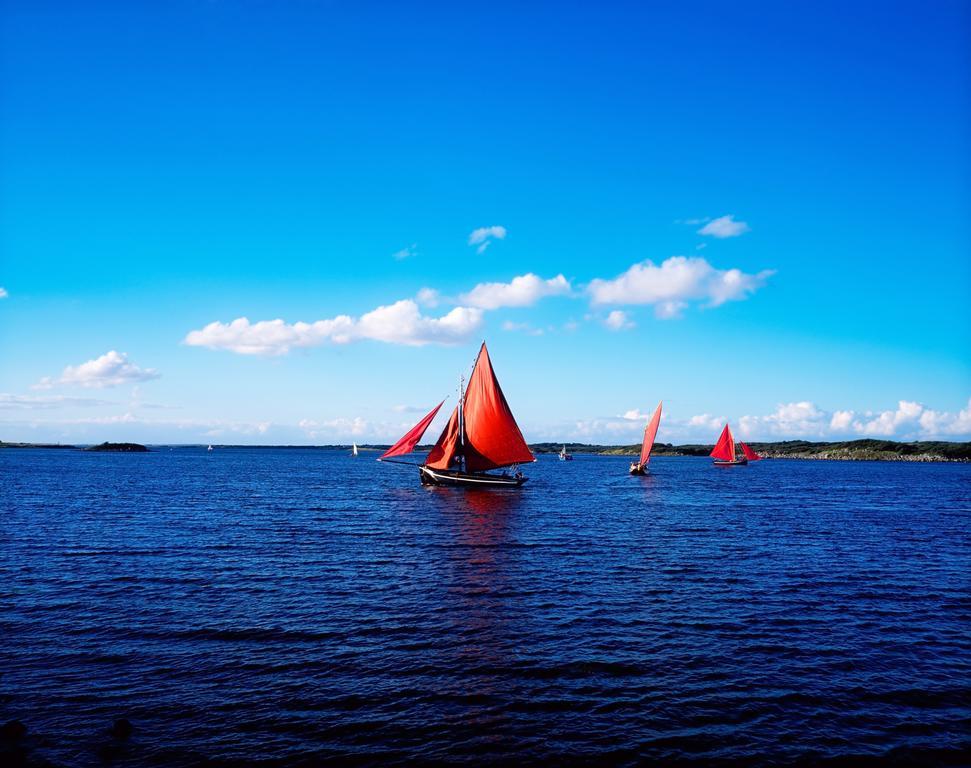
(753,213)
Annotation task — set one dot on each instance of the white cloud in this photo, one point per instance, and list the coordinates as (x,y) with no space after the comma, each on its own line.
(522,291)
(405,253)
(618,321)
(483,237)
(398,323)
(724,226)
(526,328)
(340,427)
(428,297)
(667,310)
(635,415)
(706,422)
(3,293)
(840,421)
(676,281)
(802,419)
(909,421)
(110,370)
(31,402)
(887,423)
(942,423)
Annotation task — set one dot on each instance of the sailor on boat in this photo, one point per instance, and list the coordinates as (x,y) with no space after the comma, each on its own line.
(481,435)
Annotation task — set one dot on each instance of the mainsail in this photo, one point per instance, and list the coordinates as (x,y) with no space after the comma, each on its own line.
(749,453)
(407,443)
(492,438)
(650,432)
(724,449)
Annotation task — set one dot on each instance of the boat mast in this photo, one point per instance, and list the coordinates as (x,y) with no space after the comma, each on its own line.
(462,419)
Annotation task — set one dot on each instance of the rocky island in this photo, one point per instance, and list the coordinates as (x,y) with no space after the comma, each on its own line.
(118,448)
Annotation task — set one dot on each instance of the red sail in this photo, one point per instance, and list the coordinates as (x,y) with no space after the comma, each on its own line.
(441,456)
(725,447)
(410,440)
(749,453)
(492,437)
(650,432)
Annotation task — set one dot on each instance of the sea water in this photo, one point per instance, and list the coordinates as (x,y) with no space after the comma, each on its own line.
(294,606)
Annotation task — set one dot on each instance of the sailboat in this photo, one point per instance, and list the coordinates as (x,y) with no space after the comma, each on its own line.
(725,454)
(354,450)
(209,449)
(481,435)
(650,432)
(564,456)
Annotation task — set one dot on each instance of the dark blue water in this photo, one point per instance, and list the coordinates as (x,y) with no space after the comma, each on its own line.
(289,606)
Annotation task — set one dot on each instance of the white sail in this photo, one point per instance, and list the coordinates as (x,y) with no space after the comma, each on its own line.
(353,449)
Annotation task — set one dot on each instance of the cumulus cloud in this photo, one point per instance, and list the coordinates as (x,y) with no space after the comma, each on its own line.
(3,293)
(705,422)
(724,226)
(942,423)
(802,419)
(483,237)
(908,421)
(398,323)
(405,253)
(522,291)
(677,280)
(618,321)
(110,370)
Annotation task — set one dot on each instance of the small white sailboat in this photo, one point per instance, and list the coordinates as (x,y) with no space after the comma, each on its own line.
(564,456)
(209,449)
(354,450)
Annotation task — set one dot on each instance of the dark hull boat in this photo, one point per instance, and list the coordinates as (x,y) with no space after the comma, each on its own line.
(481,436)
(650,432)
(725,454)
(737,463)
(474,480)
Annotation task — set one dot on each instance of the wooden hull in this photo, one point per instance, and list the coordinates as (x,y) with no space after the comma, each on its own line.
(638,469)
(737,463)
(467,479)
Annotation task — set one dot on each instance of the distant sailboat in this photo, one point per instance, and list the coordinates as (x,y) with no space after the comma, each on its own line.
(481,435)
(724,452)
(650,432)
(564,456)
(209,449)
(354,450)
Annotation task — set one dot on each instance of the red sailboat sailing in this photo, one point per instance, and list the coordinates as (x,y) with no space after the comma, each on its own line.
(650,432)
(725,455)
(480,435)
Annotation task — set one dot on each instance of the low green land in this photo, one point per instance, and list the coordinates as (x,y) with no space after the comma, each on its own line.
(851,450)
